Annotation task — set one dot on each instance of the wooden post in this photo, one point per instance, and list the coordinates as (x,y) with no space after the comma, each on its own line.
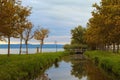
(37,49)
(56,45)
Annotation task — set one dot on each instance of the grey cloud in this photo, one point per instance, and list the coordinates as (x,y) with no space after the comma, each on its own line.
(60,16)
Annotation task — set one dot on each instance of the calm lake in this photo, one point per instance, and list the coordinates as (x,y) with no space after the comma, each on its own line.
(31,50)
(74,69)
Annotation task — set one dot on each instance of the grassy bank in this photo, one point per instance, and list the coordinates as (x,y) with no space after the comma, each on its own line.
(108,61)
(24,67)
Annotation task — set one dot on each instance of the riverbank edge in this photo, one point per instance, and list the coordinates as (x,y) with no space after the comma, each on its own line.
(26,67)
(108,61)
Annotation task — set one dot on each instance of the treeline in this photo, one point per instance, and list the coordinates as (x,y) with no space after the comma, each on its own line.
(14,23)
(103,28)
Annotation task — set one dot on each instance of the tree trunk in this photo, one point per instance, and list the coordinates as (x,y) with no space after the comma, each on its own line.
(105,47)
(20,46)
(41,44)
(102,47)
(56,45)
(8,46)
(41,48)
(113,47)
(37,49)
(108,47)
(26,47)
(117,48)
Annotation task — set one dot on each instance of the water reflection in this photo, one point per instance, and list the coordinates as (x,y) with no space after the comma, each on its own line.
(56,64)
(78,69)
(72,69)
(87,70)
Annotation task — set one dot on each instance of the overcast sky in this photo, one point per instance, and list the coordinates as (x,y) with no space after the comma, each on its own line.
(59,16)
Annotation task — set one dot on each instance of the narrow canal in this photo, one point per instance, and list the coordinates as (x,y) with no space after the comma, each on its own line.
(73,68)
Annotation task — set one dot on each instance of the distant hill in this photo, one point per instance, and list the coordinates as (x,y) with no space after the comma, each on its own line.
(31,46)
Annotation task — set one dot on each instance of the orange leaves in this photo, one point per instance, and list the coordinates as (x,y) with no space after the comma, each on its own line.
(104,26)
(41,33)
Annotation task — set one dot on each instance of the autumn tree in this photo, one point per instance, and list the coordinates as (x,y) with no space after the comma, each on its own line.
(111,9)
(104,27)
(28,34)
(24,12)
(41,34)
(8,19)
(12,18)
(95,35)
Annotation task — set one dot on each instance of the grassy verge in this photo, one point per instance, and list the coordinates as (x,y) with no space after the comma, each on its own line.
(108,61)
(25,67)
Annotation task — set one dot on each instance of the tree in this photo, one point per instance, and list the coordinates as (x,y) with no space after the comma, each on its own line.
(103,28)
(12,17)
(23,14)
(95,34)
(41,34)
(77,35)
(28,34)
(111,9)
(8,19)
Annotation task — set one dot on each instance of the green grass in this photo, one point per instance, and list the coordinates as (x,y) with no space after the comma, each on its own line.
(108,61)
(25,67)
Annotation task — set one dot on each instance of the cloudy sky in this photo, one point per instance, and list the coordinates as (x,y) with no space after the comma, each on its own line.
(59,16)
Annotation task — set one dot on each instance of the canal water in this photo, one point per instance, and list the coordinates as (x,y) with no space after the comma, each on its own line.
(74,68)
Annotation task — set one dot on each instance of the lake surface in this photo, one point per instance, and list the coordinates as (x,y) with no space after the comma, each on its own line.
(74,69)
(30,50)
